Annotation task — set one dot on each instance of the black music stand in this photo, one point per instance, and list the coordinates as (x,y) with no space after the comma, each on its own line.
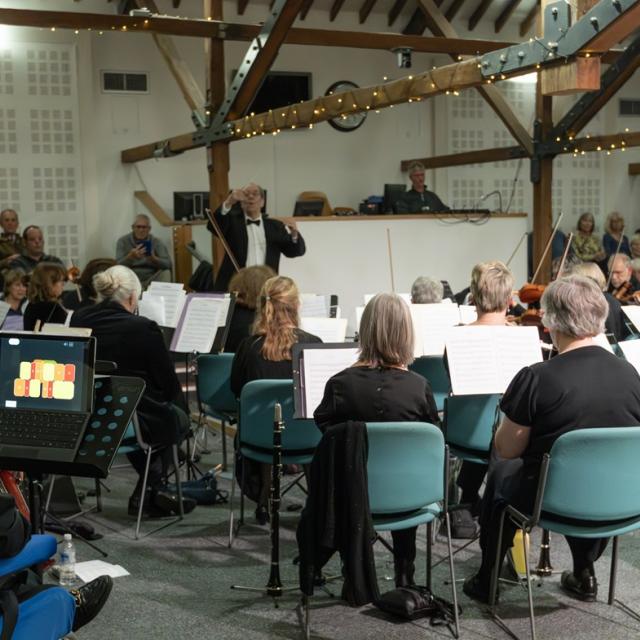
(115,400)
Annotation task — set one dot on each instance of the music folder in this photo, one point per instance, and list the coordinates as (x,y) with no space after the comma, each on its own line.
(313,365)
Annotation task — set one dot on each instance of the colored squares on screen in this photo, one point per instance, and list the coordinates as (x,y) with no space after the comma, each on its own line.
(45,379)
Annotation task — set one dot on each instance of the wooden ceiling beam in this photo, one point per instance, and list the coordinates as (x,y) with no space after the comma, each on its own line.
(306,5)
(505,14)
(365,10)
(335,9)
(418,22)
(452,11)
(476,16)
(527,24)
(468,157)
(242,5)
(395,10)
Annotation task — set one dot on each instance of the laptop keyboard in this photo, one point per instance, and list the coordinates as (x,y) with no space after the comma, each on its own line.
(40,429)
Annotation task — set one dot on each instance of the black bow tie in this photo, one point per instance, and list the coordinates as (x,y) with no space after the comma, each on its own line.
(256,222)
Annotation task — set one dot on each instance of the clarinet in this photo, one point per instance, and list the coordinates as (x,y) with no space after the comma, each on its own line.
(544,567)
(274,586)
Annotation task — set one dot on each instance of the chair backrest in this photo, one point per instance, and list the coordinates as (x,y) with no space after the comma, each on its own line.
(405,466)
(214,374)
(257,402)
(432,368)
(594,474)
(469,421)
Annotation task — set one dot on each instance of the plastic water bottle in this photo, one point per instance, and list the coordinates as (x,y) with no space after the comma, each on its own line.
(67,561)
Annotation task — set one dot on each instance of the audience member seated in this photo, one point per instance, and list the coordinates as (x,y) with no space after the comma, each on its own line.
(15,295)
(426,290)
(15,533)
(246,284)
(623,284)
(491,287)
(614,228)
(635,267)
(143,253)
(11,244)
(83,294)
(267,353)
(615,323)
(33,251)
(586,244)
(418,199)
(583,386)
(45,288)
(380,388)
(634,245)
(137,347)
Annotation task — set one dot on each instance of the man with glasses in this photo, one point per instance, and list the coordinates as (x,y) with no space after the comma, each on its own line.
(143,253)
(253,238)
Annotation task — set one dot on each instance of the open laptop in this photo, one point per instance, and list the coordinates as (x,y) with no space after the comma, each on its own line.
(46,394)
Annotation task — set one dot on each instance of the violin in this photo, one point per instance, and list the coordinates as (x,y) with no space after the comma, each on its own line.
(73,274)
(531,293)
(626,295)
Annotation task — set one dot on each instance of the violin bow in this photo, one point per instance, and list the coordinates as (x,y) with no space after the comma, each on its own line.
(223,240)
(524,235)
(546,249)
(615,255)
(565,253)
(393,284)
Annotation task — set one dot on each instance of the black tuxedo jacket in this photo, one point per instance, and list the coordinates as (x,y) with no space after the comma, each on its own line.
(234,228)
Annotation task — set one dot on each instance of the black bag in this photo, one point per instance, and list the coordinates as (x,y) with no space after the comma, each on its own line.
(416,602)
(204,490)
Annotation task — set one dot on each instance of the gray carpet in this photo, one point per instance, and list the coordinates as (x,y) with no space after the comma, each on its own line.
(180,581)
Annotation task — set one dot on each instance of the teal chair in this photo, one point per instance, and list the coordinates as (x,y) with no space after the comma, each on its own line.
(255,432)
(215,397)
(432,368)
(407,468)
(589,475)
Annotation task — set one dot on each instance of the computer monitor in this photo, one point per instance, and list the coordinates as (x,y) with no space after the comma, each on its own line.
(392,193)
(308,208)
(190,205)
(51,373)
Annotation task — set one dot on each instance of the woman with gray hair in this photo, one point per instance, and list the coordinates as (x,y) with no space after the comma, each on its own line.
(380,388)
(584,386)
(426,290)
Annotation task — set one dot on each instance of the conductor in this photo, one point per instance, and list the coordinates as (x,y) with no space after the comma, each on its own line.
(254,238)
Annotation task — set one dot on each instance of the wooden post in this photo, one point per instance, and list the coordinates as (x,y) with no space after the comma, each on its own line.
(182,258)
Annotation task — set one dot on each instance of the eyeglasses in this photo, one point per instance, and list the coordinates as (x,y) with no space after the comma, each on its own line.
(141,226)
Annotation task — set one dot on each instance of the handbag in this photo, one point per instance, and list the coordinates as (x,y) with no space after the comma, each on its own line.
(415,602)
(204,490)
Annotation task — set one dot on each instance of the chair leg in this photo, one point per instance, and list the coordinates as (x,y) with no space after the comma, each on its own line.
(614,571)
(231,497)
(306,617)
(495,573)
(223,435)
(50,492)
(98,496)
(176,465)
(144,492)
(529,591)
(429,555)
(453,579)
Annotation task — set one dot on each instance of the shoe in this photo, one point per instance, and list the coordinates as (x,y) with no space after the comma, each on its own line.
(90,599)
(262,515)
(168,504)
(584,587)
(463,526)
(476,589)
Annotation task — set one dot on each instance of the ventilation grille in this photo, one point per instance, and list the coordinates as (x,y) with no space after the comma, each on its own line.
(629,107)
(121,82)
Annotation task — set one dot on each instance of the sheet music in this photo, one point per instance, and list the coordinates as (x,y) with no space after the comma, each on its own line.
(601,341)
(152,308)
(318,366)
(4,310)
(631,350)
(327,329)
(55,329)
(201,316)
(633,313)
(468,313)
(431,322)
(172,296)
(359,312)
(314,306)
(484,359)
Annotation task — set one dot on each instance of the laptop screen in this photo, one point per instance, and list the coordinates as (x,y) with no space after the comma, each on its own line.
(46,372)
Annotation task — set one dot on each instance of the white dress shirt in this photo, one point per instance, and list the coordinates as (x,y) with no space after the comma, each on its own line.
(256,240)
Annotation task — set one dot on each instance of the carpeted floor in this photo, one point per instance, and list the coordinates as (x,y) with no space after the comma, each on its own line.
(180,581)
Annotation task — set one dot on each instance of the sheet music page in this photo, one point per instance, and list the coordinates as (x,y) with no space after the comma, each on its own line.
(327,329)
(631,350)
(484,359)
(173,299)
(56,329)
(318,366)
(359,312)
(633,313)
(468,313)
(152,308)
(201,316)
(431,322)
(601,341)
(314,306)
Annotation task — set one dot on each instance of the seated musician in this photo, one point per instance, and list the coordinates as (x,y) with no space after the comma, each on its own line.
(623,284)
(137,347)
(614,238)
(418,199)
(246,284)
(380,388)
(14,294)
(84,294)
(583,386)
(491,287)
(44,294)
(426,290)
(267,355)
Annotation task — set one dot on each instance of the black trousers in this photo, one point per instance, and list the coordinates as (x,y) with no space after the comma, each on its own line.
(509,483)
(404,544)
(470,480)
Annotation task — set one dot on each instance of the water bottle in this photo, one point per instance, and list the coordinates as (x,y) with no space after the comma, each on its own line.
(67,561)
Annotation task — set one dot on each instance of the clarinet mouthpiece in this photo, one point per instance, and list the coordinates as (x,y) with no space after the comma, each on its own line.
(277,413)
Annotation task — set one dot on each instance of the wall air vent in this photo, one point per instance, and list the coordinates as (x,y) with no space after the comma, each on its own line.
(125,82)
(628,107)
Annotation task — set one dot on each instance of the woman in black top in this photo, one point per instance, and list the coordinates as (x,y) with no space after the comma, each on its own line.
(380,388)
(246,284)
(267,353)
(584,386)
(84,293)
(45,288)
